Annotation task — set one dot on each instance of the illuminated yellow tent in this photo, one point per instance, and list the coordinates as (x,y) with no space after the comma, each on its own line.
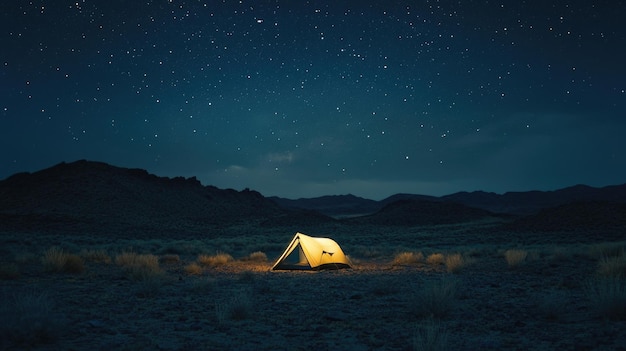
(309,253)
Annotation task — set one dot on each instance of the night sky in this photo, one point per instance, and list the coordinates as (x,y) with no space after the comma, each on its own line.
(303,99)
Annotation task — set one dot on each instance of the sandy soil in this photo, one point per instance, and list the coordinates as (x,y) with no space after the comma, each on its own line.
(540,305)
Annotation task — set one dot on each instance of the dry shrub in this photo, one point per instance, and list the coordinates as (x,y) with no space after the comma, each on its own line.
(193,269)
(435,259)
(257,256)
(28,319)
(9,271)
(407,258)
(435,299)
(139,267)
(215,260)
(238,307)
(515,258)
(613,266)
(430,336)
(608,297)
(92,255)
(607,249)
(74,264)
(170,258)
(54,259)
(455,263)
(57,260)
(551,305)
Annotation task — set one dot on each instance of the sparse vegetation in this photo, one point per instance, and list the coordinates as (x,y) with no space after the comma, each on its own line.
(435,299)
(28,319)
(435,259)
(56,259)
(608,297)
(515,257)
(238,307)
(551,305)
(455,263)
(430,336)
(607,249)
(407,258)
(257,256)
(193,269)
(613,266)
(170,258)
(139,267)
(215,260)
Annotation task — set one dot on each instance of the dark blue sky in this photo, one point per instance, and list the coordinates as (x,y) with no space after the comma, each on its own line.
(302,99)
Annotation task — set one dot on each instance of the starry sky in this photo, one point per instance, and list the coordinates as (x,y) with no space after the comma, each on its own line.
(310,98)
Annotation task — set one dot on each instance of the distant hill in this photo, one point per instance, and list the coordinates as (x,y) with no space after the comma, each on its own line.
(409,212)
(576,216)
(95,197)
(515,203)
(86,195)
(332,205)
(531,202)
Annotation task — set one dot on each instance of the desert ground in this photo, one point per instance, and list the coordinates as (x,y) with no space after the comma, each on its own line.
(467,286)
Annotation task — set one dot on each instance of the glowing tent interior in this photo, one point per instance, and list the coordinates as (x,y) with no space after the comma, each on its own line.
(310,253)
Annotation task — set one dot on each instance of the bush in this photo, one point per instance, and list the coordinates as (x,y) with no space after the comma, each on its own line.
(193,269)
(74,264)
(215,260)
(608,297)
(407,258)
(27,320)
(551,305)
(435,299)
(139,267)
(435,259)
(57,260)
(455,263)
(613,266)
(238,307)
(515,258)
(257,256)
(430,336)
(607,249)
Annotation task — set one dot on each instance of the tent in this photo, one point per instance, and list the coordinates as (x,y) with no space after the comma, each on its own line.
(309,253)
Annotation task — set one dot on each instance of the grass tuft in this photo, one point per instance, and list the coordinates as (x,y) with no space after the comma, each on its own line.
(57,260)
(215,260)
(435,259)
(613,266)
(27,320)
(193,269)
(608,297)
(407,258)
(515,258)
(436,299)
(455,263)
(257,256)
(238,307)
(139,267)
(430,336)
